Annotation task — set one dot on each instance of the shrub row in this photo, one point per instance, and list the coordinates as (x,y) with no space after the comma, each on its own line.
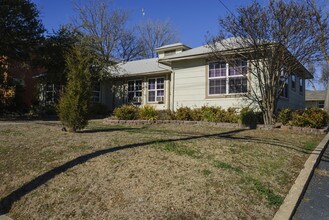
(312,117)
(206,113)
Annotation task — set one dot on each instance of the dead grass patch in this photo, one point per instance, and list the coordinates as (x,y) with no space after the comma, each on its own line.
(148,172)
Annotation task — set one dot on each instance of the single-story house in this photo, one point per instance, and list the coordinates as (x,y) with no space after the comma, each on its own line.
(315,99)
(184,76)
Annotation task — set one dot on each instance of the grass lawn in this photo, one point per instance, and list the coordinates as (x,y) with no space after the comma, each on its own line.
(147,172)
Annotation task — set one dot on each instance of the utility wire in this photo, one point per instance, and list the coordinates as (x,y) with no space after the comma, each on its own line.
(221,2)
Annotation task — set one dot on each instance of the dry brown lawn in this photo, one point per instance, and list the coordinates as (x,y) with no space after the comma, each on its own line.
(147,172)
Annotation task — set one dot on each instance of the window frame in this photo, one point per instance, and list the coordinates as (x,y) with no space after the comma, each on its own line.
(227,77)
(99,92)
(301,85)
(285,89)
(293,81)
(320,103)
(134,91)
(155,90)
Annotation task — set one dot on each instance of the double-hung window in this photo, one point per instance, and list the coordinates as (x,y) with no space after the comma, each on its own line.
(95,92)
(134,90)
(227,78)
(284,92)
(155,89)
(293,81)
(301,85)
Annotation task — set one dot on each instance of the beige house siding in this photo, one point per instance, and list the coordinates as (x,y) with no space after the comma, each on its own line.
(187,85)
(191,87)
(114,92)
(296,99)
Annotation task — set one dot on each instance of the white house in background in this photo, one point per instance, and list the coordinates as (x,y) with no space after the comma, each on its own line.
(182,76)
(315,99)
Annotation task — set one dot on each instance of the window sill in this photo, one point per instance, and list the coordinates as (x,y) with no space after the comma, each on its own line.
(237,95)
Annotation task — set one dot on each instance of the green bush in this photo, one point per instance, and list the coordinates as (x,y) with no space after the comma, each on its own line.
(259,117)
(41,110)
(248,117)
(316,118)
(166,115)
(211,114)
(184,113)
(126,112)
(298,119)
(97,109)
(285,115)
(148,113)
(313,117)
(231,116)
(196,114)
(73,104)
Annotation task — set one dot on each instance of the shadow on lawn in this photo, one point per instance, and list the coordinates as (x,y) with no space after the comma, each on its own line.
(7,202)
(99,130)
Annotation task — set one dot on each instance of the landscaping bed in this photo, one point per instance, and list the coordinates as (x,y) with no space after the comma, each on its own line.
(147,171)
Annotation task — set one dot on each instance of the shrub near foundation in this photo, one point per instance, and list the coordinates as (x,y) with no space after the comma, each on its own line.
(313,117)
(148,113)
(285,115)
(126,112)
(184,114)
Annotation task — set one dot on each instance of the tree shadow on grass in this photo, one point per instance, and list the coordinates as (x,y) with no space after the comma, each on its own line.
(99,130)
(7,202)
(267,141)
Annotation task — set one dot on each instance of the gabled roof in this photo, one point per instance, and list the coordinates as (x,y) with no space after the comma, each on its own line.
(315,95)
(203,50)
(145,66)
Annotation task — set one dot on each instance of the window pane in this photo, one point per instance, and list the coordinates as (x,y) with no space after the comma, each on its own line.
(160,93)
(138,85)
(238,85)
(217,69)
(238,67)
(138,94)
(152,84)
(151,96)
(217,86)
(131,86)
(130,96)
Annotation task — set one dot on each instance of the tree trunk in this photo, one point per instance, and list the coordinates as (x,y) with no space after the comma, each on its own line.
(326,101)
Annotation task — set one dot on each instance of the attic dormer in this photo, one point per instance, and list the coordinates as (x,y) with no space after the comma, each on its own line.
(171,49)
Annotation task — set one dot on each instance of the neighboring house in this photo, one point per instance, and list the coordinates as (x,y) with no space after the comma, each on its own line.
(315,99)
(182,76)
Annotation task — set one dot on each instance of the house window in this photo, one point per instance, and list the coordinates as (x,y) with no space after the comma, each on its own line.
(321,104)
(300,85)
(134,90)
(284,92)
(155,89)
(293,81)
(228,79)
(95,92)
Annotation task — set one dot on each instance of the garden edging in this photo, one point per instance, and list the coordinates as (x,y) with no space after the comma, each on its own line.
(216,124)
(290,203)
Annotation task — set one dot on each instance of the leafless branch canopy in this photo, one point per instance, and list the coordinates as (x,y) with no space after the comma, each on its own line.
(275,40)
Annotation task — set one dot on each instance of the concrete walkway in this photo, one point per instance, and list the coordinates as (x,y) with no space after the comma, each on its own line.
(315,203)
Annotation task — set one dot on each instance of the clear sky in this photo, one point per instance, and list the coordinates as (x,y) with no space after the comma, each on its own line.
(192,19)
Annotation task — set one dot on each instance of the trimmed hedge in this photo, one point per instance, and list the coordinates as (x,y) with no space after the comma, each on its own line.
(206,113)
(312,117)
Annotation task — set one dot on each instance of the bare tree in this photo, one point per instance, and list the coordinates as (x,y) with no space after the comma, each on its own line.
(276,42)
(155,34)
(320,20)
(130,47)
(103,31)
